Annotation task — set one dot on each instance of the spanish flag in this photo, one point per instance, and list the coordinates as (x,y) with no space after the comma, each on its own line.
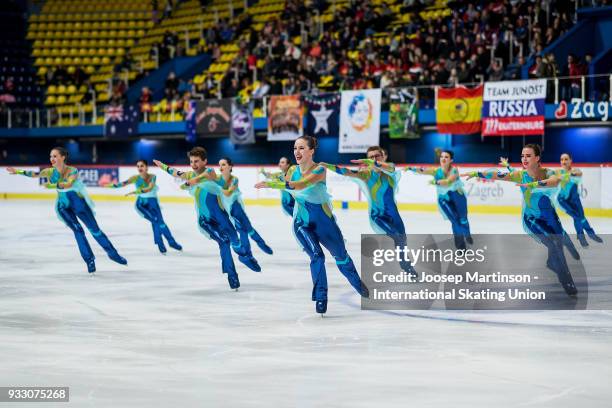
(459,110)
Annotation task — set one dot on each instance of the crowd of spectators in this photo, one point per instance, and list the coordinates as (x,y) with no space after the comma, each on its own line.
(483,41)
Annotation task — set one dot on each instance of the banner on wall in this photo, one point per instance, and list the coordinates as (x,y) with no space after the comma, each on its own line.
(242,129)
(514,108)
(120,121)
(403,114)
(359,120)
(285,118)
(459,110)
(323,114)
(212,117)
(584,111)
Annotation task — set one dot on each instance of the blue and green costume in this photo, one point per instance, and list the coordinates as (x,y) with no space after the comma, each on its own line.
(568,198)
(147,205)
(540,221)
(215,223)
(73,204)
(314,225)
(452,202)
(232,199)
(380,186)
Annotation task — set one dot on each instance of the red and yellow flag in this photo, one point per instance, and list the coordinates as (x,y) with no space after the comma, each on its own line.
(459,110)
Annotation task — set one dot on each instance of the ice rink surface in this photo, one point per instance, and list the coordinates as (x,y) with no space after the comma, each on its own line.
(166,331)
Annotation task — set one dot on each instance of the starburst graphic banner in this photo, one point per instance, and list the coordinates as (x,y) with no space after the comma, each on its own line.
(359,120)
(323,117)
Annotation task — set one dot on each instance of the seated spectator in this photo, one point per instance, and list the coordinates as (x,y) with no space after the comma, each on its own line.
(145,100)
(171,86)
(495,72)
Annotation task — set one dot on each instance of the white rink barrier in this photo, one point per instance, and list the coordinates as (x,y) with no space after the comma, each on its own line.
(415,191)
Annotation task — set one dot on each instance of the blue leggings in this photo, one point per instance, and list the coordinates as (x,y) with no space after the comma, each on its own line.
(321,229)
(573,207)
(76,209)
(243,226)
(455,208)
(220,229)
(391,223)
(149,208)
(288,203)
(549,231)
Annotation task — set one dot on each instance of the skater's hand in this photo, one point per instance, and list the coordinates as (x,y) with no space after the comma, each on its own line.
(369,163)
(193,181)
(261,184)
(503,161)
(157,163)
(11,170)
(469,175)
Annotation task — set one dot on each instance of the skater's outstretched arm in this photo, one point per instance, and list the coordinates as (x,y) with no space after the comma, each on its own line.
(271,174)
(207,174)
(44,173)
(430,171)
(552,181)
(124,183)
(183,175)
(318,174)
(343,171)
(514,176)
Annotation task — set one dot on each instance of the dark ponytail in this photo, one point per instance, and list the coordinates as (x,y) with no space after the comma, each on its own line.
(62,152)
(311,141)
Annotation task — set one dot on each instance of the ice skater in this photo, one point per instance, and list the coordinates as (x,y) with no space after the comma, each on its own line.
(147,204)
(287,200)
(378,180)
(569,199)
(232,199)
(314,223)
(213,220)
(540,220)
(452,201)
(73,204)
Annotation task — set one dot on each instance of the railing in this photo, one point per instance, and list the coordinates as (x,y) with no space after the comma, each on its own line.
(576,88)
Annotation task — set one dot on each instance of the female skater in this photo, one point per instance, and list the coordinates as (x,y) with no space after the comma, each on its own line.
(313,221)
(232,198)
(540,219)
(287,200)
(451,197)
(73,204)
(378,181)
(147,204)
(569,199)
(213,220)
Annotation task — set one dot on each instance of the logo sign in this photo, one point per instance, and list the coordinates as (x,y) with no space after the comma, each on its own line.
(584,110)
(242,130)
(359,120)
(513,108)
